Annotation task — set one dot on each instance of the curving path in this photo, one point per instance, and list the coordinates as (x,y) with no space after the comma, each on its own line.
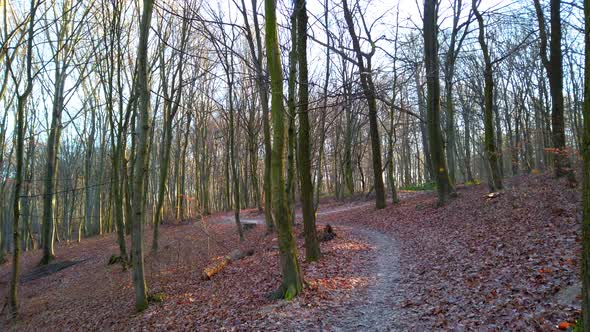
(379,309)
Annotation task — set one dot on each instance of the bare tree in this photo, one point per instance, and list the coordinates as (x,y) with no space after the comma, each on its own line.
(554,68)
(585,261)
(292,283)
(312,248)
(495,182)
(141,163)
(444,185)
(363,62)
(22,99)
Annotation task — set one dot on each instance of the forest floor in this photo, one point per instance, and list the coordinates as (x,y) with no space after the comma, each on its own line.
(507,262)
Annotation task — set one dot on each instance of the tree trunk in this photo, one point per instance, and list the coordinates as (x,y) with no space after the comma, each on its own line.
(369,92)
(20,131)
(88,192)
(141,165)
(585,261)
(467,123)
(495,182)
(262,86)
(51,165)
(554,67)
(234,168)
(444,186)
(291,111)
(292,283)
(423,130)
(163,181)
(182,201)
(321,142)
(312,248)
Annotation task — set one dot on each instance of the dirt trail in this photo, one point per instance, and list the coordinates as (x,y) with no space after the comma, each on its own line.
(379,309)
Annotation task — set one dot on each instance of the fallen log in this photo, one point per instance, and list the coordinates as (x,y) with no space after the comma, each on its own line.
(220,263)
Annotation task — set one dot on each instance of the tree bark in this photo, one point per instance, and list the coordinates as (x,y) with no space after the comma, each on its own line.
(423,130)
(320,172)
(554,67)
(141,164)
(585,261)
(292,283)
(495,182)
(444,186)
(449,68)
(291,111)
(20,131)
(312,248)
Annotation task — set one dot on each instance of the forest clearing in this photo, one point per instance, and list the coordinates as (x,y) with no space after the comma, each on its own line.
(300,165)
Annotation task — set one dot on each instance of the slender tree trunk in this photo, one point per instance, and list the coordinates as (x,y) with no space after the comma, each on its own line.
(312,248)
(586,186)
(450,108)
(118,197)
(88,192)
(292,283)
(262,87)
(182,201)
(253,153)
(495,182)
(348,139)
(51,165)
(390,161)
(163,180)
(321,142)
(291,110)
(467,123)
(20,132)
(171,106)
(369,92)
(234,168)
(444,186)
(423,130)
(141,165)
(449,68)
(554,67)
(226,169)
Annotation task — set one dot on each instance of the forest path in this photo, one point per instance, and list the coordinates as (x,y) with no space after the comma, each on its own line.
(376,306)
(258,219)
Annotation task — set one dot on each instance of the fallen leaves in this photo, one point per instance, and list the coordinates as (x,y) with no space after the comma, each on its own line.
(478,263)
(236,298)
(486,264)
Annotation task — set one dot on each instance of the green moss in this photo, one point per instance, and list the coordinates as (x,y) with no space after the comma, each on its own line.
(141,306)
(420,187)
(472,183)
(114,259)
(156,297)
(290,293)
(577,327)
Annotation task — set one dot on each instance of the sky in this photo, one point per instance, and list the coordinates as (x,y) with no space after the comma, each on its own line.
(382,10)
